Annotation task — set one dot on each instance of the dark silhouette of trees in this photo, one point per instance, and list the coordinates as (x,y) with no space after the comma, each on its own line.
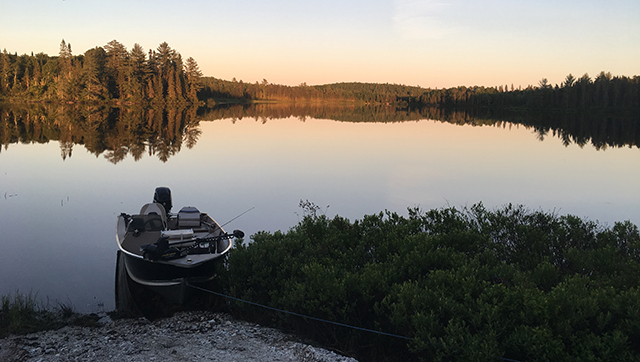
(606,92)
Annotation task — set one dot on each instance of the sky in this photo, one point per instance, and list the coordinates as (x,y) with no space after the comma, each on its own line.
(427,43)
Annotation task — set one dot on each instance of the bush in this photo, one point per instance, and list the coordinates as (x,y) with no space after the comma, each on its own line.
(23,314)
(467,284)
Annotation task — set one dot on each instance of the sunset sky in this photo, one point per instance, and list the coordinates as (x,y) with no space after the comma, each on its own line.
(414,42)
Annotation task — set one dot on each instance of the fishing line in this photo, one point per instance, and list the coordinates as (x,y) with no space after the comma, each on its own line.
(314,318)
(297,314)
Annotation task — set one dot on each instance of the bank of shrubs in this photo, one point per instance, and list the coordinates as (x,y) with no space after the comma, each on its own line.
(463,285)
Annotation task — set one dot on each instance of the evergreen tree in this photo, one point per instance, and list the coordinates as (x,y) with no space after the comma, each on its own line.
(117,61)
(138,74)
(568,81)
(193,74)
(5,66)
(65,58)
(66,87)
(94,74)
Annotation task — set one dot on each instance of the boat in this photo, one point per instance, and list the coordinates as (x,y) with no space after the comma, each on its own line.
(165,252)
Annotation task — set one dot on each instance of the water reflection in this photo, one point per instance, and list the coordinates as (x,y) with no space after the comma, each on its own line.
(113,132)
(119,132)
(601,130)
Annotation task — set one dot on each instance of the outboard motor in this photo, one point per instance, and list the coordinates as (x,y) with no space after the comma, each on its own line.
(163,196)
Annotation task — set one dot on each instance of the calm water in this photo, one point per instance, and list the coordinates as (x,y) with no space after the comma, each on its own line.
(57,214)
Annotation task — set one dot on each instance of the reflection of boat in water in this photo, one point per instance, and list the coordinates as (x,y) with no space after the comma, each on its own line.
(161,252)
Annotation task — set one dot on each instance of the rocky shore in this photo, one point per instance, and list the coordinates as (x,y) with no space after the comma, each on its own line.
(187,336)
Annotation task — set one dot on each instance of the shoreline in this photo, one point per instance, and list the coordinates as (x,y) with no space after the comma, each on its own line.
(186,336)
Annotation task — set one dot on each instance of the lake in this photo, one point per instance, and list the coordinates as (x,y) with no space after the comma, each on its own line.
(66,173)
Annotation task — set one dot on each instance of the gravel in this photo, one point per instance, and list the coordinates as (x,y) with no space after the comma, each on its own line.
(186,336)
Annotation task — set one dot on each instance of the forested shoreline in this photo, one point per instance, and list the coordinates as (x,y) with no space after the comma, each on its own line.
(109,74)
(113,74)
(605,92)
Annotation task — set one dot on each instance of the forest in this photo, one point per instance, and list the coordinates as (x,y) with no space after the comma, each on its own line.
(605,92)
(101,75)
(113,74)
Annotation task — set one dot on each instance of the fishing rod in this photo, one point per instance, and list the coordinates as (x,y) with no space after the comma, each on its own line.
(164,250)
(237,216)
(234,234)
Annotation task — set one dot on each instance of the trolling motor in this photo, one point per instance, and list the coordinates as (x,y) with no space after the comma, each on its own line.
(160,250)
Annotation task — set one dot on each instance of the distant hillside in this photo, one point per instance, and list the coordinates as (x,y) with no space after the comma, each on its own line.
(214,88)
(604,92)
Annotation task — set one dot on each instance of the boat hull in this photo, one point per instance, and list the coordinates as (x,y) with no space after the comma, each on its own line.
(136,297)
(159,273)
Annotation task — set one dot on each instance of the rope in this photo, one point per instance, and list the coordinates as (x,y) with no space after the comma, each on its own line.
(313,318)
(297,314)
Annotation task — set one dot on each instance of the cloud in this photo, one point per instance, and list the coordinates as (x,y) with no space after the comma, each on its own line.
(422,19)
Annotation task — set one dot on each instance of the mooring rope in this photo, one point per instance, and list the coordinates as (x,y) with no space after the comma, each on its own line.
(313,318)
(297,314)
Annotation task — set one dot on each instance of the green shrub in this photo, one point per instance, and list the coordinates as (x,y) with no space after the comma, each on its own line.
(23,314)
(473,285)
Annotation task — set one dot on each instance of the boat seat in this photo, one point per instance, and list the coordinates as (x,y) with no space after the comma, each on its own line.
(151,222)
(155,209)
(189,217)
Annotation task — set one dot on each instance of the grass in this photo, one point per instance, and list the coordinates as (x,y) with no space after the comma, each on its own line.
(23,313)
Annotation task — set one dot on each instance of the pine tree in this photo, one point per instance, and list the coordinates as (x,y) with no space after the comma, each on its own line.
(65,58)
(117,59)
(139,73)
(94,75)
(193,74)
(5,66)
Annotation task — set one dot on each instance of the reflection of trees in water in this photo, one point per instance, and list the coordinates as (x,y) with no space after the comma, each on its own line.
(119,132)
(602,130)
(113,132)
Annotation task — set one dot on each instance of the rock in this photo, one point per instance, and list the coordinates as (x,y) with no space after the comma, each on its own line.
(193,336)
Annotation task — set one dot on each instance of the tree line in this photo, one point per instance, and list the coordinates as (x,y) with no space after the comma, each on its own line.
(603,92)
(371,93)
(102,74)
(114,74)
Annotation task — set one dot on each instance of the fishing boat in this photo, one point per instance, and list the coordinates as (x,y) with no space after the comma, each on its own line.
(165,251)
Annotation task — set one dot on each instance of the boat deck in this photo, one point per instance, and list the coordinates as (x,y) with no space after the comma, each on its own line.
(147,229)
